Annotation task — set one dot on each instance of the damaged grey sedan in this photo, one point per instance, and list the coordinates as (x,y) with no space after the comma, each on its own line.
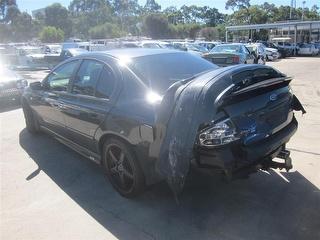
(148,115)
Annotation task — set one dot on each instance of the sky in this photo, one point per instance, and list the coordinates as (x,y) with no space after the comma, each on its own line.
(29,5)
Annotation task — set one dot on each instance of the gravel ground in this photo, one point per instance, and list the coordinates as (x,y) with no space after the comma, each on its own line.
(51,192)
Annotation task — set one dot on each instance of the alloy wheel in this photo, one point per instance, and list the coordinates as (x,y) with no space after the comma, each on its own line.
(121,169)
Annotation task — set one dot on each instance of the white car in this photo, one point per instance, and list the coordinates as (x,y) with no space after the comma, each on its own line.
(260,52)
(308,49)
(150,44)
(272,54)
(31,57)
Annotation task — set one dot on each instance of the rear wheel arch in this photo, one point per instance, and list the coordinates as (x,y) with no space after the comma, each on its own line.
(107,136)
(112,140)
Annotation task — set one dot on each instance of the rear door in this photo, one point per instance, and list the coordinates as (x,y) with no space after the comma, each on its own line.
(89,101)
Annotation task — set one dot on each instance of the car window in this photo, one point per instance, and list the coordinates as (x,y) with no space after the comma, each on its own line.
(106,83)
(59,79)
(160,71)
(86,78)
(246,50)
(226,48)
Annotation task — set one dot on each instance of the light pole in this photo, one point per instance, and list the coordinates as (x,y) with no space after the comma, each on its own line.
(303,4)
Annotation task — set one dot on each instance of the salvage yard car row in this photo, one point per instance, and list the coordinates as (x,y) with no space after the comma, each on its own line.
(25,56)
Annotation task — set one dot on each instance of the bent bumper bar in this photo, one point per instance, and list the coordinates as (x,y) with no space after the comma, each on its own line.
(237,156)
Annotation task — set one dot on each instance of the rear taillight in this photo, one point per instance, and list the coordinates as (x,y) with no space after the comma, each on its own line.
(218,134)
(235,59)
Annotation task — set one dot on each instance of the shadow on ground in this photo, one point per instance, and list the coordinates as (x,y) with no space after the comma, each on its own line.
(263,207)
(6,106)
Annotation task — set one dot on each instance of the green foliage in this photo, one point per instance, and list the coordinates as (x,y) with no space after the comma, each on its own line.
(209,33)
(58,16)
(4,5)
(151,6)
(156,26)
(106,30)
(239,4)
(114,18)
(51,35)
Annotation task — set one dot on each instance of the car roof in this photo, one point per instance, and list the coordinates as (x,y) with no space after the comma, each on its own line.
(235,44)
(132,52)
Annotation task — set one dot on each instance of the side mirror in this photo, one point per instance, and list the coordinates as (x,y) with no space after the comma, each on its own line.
(36,86)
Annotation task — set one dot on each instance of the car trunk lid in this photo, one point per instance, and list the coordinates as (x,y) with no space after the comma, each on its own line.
(223,58)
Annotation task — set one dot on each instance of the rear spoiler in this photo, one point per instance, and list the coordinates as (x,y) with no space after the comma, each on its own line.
(233,93)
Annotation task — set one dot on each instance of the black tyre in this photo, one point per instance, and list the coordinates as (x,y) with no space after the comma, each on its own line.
(122,168)
(32,123)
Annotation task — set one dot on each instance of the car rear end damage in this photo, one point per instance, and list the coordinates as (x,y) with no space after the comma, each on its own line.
(236,119)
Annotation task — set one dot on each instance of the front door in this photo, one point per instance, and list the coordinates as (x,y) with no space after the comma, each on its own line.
(250,58)
(49,104)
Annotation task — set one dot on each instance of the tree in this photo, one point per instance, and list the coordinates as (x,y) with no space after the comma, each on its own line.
(127,12)
(58,16)
(4,5)
(156,26)
(152,6)
(239,4)
(212,17)
(84,6)
(209,33)
(51,35)
(23,27)
(107,30)
(174,15)
(12,13)
(91,17)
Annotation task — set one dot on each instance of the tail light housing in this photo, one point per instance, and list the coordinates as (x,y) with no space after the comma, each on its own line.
(235,59)
(217,134)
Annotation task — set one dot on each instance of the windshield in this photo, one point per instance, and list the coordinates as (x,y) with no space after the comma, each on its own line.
(196,47)
(226,48)
(160,71)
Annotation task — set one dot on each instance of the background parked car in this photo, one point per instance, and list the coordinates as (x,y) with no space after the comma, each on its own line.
(11,85)
(53,59)
(286,43)
(190,47)
(308,49)
(150,44)
(260,52)
(230,54)
(208,45)
(283,52)
(31,57)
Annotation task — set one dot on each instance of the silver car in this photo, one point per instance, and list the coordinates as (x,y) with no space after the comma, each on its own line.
(230,54)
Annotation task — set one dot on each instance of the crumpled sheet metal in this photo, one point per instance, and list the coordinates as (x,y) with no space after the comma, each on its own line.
(183,109)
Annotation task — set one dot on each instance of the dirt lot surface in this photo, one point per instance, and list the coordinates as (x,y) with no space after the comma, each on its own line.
(51,192)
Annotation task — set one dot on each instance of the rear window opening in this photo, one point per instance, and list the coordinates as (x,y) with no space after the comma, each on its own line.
(251,83)
(246,78)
